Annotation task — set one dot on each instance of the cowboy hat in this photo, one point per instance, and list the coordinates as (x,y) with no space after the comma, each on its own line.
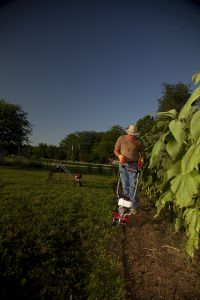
(132,130)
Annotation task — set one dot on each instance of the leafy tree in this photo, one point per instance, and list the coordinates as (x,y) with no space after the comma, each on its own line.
(53,152)
(43,150)
(145,125)
(26,150)
(78,146)
(87,140)
(69,146)
(90,146)
(174,97)
(104,150)
(15,129)
(40,151)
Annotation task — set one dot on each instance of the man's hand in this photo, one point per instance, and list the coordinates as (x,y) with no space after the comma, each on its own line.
(122,159)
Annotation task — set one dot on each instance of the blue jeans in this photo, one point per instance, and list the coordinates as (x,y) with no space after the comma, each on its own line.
(128,176)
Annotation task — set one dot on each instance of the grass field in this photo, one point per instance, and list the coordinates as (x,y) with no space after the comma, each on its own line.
(56,238)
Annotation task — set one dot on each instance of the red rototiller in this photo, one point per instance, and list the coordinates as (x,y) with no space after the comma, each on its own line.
(76,177)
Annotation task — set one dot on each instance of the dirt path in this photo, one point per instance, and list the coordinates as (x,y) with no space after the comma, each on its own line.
(155,266)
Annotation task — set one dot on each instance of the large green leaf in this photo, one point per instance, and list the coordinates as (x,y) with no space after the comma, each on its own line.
(196,78)
(164,198)
(192,222)
(192,243)
(166,162)
(192,158)
(177,128)
(185,187)
(184,111)
(174,170)
(171,113)
(194,126)
(173,148)
(178,223)
(156,153)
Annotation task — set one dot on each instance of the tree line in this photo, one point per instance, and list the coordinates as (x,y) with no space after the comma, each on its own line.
(85,146)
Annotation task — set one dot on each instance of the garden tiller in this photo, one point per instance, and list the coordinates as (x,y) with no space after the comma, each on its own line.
(77,177)
(121,216)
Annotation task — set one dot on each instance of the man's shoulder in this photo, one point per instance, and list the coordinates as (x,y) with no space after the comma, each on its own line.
(121,138)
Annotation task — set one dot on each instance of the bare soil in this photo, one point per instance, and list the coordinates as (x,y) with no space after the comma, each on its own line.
(155,263)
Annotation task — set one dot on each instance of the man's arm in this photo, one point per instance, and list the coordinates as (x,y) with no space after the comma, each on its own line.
(117,152)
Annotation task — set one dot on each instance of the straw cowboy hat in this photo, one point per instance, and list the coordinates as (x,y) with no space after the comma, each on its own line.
(132,130)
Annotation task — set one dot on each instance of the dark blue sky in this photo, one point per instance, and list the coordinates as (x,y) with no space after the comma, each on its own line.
(89,65)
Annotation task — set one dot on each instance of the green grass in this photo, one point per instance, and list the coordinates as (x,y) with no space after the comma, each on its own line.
(56,238)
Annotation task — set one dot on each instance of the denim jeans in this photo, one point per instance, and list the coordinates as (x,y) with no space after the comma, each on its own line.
(128,177)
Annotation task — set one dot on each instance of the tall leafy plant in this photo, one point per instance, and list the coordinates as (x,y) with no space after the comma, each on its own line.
(175,157)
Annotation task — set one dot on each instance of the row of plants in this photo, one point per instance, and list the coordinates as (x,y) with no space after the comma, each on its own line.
(171,175)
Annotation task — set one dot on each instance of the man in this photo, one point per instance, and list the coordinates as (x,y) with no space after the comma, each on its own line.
(129,150)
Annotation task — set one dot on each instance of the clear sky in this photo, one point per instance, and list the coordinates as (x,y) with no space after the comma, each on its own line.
(78,65)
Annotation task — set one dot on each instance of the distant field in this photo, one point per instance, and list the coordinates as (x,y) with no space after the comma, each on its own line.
(56,238)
